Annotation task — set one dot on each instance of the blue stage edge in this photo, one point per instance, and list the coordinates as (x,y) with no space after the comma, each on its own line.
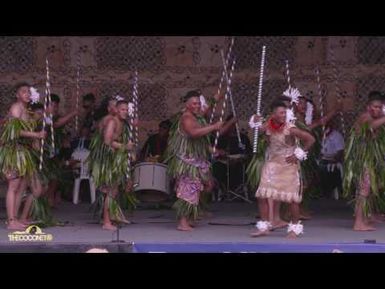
(258,248)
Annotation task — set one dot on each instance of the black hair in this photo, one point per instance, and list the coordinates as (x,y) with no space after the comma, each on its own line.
(20,85)
(166,124)
(307,99)
(277,104)
(375,95)
(102,109)
(36,106)
(119,102)
(88,97)
(229,117)
(192,93)
(55,98)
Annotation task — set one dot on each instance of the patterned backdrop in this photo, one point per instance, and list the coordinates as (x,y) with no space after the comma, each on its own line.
(170,66)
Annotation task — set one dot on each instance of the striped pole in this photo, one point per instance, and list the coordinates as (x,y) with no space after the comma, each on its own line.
(50,113)
(222,77)
(135,101)
(338,88)
(77,90)
(224,105)
(320,99)
(232,100)
(47,99)
(256,130)
(288,73)
(129,155)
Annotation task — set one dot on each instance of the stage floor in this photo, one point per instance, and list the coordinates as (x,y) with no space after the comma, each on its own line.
(226,231)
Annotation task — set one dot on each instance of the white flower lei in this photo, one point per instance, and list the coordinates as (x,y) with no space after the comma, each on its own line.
(309,113)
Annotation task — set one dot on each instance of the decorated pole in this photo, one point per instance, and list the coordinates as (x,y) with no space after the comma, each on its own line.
(50,113)
(47,99)
(77,90)
(256,129)
(338,88)
(224,105)
(231,99)
(130,135)
(222,77)
(320,99)
(135,101)
(288,73)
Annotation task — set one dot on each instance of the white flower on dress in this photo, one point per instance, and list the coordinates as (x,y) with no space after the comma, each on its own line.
(35,95)
(300,154)
(309,113)
(293,94)
(383,109)
(296,228)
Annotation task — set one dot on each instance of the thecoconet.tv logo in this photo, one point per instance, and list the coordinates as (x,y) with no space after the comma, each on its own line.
(32,234)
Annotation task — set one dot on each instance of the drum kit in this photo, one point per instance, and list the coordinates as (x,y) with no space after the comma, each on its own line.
(152,183)
(241,191)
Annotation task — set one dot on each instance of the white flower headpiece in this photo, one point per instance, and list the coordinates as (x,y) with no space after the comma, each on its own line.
(309,113)
(118,98)
(204,104)
(35,96)
(293,94)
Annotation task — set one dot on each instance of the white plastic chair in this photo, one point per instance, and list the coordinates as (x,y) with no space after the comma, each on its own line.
(81,155)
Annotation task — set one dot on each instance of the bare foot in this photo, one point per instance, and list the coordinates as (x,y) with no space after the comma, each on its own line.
(305,216)
(279,224)
(377,218)
(26,222)
(259,233)
(15,225)
(57,200)
(184,228)
(205,215)
(291,235)
(125,221)
(208,215)
(109,227)
(363,227)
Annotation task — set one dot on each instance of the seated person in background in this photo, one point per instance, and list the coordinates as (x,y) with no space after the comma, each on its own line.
(84,139)
(332,154)
(68,164)
(89,120)
(228,145)
(156,144)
